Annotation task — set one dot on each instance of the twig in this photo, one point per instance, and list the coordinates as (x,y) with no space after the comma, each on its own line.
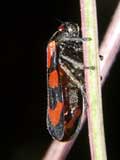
(58,150)
(110,44)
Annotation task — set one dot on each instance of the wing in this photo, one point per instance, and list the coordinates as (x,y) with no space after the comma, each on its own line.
(55,118)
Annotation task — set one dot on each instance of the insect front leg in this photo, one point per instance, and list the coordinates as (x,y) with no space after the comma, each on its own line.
(83,92)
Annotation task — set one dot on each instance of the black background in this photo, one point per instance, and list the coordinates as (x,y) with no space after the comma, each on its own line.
(25,31)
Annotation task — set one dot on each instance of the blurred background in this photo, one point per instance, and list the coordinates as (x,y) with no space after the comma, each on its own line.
(25,31)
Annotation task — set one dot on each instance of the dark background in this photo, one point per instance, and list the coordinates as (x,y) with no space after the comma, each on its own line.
(25,31)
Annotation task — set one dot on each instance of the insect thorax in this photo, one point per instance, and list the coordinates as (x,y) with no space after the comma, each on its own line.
(70,59)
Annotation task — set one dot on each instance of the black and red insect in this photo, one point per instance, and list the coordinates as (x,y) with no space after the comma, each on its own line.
(65,82)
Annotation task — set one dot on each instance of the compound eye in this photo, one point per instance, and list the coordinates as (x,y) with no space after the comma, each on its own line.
(70,29)
(61,28)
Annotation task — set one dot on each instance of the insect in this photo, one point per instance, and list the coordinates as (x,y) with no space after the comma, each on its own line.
(67,102)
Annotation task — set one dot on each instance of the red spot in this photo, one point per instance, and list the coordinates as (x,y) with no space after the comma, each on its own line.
(51,47)
(53,79)
(61,72)
(61,28)
(54,114)
(71,123)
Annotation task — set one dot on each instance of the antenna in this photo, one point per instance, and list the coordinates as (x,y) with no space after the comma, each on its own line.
(59,20)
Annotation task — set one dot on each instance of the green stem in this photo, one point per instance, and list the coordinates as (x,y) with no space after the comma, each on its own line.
(92,80)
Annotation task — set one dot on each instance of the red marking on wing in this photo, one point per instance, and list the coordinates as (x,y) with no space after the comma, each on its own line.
(53,79)
(54,114)
(71,123)
(51,47)
(61,27)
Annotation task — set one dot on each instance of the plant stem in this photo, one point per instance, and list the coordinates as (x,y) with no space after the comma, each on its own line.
(92,80)
(110,44)
(58,150)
